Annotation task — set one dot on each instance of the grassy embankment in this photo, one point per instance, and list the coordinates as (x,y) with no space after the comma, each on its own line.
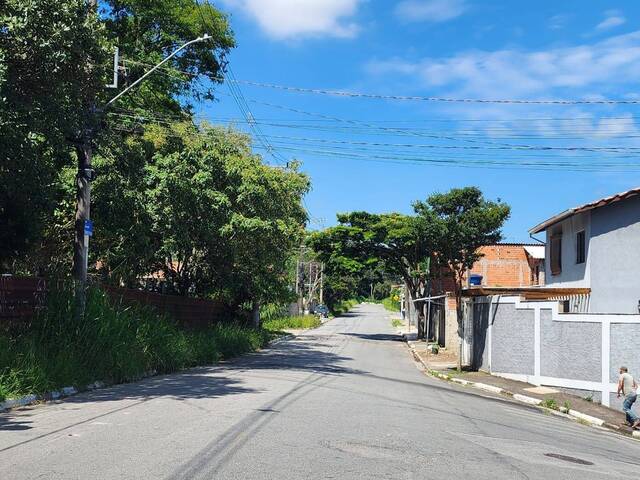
(112,343)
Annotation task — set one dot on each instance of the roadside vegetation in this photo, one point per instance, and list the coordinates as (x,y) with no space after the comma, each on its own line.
(396,322)
(343,306)
(296,322)
(112,344)
(178,205)
(392,303)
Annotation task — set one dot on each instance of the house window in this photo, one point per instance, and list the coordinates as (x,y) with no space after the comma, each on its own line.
(581,247)
(556,254)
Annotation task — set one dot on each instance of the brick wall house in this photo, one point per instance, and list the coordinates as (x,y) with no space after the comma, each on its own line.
(510,265)
(501,265)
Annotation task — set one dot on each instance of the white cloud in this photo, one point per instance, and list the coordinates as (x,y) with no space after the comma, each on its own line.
(525,74)
(613,18)
(287,19)
(430,10)
(558,22)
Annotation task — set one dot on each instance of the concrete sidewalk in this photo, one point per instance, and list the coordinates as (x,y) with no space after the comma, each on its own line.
(444,366)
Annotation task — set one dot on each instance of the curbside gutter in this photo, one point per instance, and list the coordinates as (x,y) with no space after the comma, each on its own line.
(574,414)
(65,392)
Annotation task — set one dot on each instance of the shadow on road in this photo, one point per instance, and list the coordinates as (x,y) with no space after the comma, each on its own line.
(13,424)
(300,355)
(385,337)
(203,382)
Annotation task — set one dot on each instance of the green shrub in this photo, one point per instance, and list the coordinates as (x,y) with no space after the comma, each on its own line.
(113,343)
(272,311)
(550,403)
(344,306)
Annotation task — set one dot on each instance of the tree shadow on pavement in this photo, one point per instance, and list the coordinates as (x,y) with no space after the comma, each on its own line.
(386,337)
(300,356)
(7,423)
(200,382)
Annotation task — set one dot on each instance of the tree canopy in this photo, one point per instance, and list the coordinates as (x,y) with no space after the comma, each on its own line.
(173,198)
(440,238)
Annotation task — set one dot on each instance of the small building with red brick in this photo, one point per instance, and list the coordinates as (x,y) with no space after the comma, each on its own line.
(510,265)
(501,265)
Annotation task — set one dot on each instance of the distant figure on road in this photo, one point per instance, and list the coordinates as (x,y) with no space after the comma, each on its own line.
(627,387)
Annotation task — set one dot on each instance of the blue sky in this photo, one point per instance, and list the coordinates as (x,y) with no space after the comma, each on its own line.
(380,155)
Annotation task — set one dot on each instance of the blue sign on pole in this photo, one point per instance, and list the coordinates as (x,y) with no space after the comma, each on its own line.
(88,228)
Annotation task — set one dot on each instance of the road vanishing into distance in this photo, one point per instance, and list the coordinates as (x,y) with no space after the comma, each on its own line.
(344,401)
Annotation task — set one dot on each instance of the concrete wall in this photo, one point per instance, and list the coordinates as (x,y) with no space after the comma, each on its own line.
(451,341)
(570,349)
(573,274)
(533,342)
(511,347)
(615,262)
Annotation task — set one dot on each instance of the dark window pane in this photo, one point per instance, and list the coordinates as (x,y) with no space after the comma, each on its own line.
(556,254)
(580,247)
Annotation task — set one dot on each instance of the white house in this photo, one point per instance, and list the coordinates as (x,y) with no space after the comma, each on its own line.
(597,246)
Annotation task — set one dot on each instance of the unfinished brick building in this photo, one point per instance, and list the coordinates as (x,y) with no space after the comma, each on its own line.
(510,265)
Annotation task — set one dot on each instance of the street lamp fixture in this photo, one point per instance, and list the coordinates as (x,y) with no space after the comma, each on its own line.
(203,38)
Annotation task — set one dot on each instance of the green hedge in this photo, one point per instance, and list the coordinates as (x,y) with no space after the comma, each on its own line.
(112,343)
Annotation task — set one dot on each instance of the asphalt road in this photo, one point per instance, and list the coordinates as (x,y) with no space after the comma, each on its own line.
(345,401)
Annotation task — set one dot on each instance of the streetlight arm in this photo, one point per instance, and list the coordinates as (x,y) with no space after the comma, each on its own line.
(199,39)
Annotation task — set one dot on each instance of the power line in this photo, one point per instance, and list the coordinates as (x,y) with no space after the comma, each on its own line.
(340,93)
(253,125)
(466,160)
(241,102)
(511,163)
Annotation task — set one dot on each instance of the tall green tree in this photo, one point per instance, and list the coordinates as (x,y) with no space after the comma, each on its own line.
(221,222)
(45,83)
(55,59)
(466,221)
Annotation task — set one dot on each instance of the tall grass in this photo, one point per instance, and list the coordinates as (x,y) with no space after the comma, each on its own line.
(391,304)
(297,322)
(112,343)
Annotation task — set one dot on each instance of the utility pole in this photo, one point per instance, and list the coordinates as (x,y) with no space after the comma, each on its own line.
(322,283)
(84,175)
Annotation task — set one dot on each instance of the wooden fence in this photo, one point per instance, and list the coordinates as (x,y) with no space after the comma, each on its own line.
(22,297)
(193,313)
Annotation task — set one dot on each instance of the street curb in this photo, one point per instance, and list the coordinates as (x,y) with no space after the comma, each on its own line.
(66,392)
(574,414)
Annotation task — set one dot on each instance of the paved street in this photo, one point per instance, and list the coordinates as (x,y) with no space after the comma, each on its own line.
(343,401)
